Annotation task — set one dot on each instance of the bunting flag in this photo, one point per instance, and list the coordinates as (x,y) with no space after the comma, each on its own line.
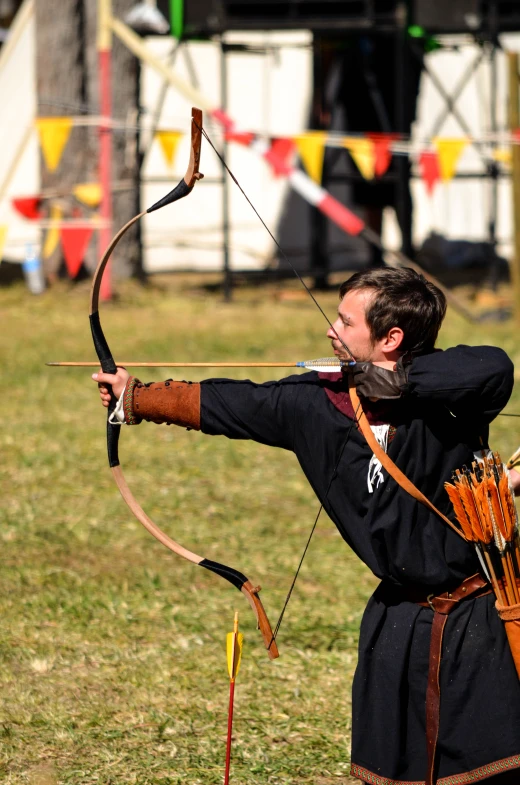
(311,148)
(88,194)
(28,206)
(279,156)
(382,152)
(362,151)
(74,243)
(430,170)
(3,238)
(54,134)
(449,152)
(242,137)
(502,155)
(169,141)
(52,237)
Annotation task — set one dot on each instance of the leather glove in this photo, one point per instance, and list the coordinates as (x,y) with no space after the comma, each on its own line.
(374,382)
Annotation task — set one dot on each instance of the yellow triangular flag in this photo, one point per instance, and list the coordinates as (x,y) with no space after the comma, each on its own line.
(52,237)
(234,644)
(3,237)
(88,193)
(311,148)
(449,152)
(54,134)
(168,141)
(363,153)
(503,155)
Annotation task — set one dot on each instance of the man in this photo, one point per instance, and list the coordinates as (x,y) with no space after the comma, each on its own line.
(430,410)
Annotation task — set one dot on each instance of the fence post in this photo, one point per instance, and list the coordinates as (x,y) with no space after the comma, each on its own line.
(514,126)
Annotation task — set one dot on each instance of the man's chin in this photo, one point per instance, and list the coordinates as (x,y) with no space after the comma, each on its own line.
(340,354)
(359,358)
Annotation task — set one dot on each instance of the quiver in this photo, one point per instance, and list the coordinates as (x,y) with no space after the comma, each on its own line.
(510,615)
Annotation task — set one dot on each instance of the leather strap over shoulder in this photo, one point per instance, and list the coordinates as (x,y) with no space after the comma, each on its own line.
(388,463)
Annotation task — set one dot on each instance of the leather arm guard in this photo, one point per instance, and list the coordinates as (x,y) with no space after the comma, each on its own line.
(170,402)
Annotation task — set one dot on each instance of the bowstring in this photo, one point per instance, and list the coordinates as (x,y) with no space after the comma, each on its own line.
(273,238)
(332,478)
(315,301)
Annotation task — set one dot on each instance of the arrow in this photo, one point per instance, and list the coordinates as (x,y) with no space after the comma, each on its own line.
(322,365)
(234,643)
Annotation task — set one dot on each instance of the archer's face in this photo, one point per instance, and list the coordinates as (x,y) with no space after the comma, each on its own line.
(352,329)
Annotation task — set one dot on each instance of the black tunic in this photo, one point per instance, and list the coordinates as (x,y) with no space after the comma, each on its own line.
(452,397)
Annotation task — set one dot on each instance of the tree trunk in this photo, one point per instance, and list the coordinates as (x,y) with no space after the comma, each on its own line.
(68,84)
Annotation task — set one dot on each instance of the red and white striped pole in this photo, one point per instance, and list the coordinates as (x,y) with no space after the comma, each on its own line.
(300,182)
(324,201)
(104,46)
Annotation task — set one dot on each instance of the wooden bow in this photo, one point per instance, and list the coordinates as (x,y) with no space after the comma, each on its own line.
(238,579)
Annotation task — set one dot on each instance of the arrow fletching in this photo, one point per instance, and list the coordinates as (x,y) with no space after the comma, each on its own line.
(234,644)
(325,364)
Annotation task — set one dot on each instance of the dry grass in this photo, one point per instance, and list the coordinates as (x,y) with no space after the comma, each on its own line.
(112,664)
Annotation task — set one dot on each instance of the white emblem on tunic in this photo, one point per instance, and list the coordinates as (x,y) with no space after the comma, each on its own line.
(375,474)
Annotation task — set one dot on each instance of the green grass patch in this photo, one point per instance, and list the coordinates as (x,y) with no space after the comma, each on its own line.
(112,650)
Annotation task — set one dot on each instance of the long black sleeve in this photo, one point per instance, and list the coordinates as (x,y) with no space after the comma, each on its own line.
(470,380)
(268,413)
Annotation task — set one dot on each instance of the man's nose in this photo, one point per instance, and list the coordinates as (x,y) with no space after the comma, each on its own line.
(332,331)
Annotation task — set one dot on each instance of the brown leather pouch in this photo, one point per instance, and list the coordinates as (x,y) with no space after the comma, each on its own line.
(175,403)
(510,615)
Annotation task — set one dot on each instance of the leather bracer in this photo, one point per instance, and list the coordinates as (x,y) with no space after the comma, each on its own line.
(171,402)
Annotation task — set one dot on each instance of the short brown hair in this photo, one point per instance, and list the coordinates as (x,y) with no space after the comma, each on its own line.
(405,299)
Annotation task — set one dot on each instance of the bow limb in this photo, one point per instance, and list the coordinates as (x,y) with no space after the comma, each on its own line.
(233,576)
(238,579)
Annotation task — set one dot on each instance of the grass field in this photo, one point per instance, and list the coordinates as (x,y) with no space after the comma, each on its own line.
(113,666)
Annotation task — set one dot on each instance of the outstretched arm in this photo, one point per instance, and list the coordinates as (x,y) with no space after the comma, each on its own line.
(267,413)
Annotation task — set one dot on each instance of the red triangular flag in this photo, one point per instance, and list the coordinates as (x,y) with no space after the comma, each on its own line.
(242,137)
(28,206)
(279,154)
(430,169)
(74,242)
(383,154)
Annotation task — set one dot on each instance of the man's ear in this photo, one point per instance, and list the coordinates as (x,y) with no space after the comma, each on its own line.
(394,339)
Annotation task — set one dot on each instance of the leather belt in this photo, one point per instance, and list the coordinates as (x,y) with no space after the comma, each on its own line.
(442,605)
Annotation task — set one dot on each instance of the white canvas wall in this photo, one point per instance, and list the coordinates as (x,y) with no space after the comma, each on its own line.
(266,92)
(460,209)
(17,99)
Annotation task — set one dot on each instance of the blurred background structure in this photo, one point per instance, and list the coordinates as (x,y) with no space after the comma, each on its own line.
(401,112)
